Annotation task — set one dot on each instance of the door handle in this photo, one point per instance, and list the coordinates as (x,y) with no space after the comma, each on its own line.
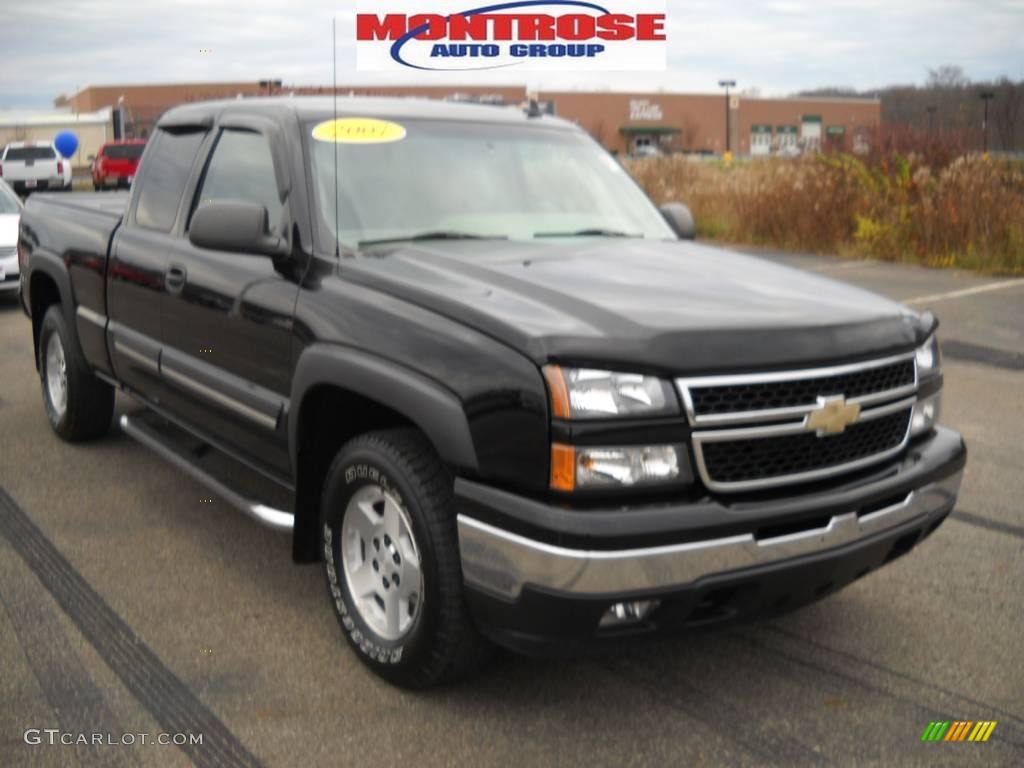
(175,279)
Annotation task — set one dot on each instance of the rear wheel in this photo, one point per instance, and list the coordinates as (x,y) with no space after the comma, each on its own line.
(78,405)
(392,560)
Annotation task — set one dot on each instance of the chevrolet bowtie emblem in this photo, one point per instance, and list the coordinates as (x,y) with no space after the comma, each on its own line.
(832,416)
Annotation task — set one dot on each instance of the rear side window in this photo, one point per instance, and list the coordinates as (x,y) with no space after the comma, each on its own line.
(30,153)
(167,167)
(124,151)
(242,168)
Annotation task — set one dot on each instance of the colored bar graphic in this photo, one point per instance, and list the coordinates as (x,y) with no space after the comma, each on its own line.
(983,731)
(958,730)
(935,731)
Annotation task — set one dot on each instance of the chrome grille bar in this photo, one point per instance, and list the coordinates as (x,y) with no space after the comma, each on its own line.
(687,385)
(795,428)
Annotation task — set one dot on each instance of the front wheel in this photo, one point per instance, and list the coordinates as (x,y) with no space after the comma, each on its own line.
(392,563)
(78,405)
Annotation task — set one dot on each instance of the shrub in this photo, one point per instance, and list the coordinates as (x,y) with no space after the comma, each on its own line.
(916,207)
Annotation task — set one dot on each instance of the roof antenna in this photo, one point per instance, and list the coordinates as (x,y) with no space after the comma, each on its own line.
(334,89)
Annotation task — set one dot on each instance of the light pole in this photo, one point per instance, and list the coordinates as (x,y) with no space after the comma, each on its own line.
(931,118)
(727,84)
(120,117)
(986,96)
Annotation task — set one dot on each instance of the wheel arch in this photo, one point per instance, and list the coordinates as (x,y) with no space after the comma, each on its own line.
(339,392)
(48,284)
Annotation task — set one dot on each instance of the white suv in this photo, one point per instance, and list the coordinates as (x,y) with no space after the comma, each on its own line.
(29,166)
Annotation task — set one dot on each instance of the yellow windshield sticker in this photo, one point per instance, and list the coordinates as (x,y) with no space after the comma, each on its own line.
(359,130)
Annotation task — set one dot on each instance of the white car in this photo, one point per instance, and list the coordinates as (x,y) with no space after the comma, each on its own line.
(10,214)
(647,150)
(29,166)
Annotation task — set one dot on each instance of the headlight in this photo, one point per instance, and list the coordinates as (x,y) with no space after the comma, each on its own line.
(585,393)
(582,467)
(925,414)
(929,359)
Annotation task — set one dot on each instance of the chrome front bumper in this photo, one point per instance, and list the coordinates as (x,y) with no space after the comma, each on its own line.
(502,563)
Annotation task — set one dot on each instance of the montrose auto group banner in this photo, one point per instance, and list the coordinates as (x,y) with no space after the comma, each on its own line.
(523,35)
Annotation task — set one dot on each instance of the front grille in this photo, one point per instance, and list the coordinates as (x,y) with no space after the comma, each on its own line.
(728,398)
(760,460)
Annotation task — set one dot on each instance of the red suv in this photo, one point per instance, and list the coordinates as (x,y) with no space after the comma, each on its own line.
(116,163)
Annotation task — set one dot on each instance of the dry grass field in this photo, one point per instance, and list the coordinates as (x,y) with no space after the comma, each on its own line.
(966,211)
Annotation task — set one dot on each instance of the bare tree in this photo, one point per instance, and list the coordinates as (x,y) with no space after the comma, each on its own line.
(949,104)
(1007,104)
(947,76)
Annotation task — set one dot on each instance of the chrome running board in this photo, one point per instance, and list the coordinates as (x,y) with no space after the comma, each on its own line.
(151,437)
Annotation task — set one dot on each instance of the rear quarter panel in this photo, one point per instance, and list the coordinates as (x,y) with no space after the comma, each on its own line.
(70,244)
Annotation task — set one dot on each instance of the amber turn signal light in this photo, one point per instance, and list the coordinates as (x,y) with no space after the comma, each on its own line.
(563,467)
(558,392)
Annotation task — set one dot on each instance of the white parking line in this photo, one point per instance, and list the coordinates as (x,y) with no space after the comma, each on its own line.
(963,292)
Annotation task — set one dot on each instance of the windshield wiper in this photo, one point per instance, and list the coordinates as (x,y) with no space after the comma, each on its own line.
(441,234)
(592,232)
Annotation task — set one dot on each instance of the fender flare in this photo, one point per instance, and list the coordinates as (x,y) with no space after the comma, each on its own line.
(45,263)
(428,404)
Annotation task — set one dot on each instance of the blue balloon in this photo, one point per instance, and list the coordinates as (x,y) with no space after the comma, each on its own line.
(66,143)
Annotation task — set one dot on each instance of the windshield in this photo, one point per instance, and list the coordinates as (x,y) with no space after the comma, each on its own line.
(8,200)
(450,179)
(124,151)
(30,153)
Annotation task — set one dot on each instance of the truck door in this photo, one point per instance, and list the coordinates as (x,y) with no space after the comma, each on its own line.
(227,317)
(139,258)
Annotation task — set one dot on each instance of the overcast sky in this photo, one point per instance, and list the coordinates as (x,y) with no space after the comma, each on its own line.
(58,46)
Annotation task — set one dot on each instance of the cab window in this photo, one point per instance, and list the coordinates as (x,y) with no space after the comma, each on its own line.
(242,168)
(166,172)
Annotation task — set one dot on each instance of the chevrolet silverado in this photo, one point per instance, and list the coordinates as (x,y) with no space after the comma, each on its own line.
(501,397)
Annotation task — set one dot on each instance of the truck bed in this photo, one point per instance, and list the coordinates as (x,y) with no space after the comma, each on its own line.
(80,222)
(71,236)
(111,204)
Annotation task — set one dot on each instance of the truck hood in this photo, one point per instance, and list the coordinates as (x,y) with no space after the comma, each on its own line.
(673,306)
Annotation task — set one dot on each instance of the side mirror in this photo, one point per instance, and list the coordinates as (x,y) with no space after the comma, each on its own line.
(91,158)
(234,225)
(680,219)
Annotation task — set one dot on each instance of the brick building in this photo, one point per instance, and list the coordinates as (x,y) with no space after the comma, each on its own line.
(92,129)
(623,122)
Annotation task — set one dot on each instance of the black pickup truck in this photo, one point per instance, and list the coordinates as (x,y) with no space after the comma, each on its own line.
(481,377)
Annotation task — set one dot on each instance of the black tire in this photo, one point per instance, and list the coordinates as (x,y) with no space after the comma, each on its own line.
(89,404)
(442,645)
(96,187)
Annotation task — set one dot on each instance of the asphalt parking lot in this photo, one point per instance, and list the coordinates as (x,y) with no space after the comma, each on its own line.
(128,602)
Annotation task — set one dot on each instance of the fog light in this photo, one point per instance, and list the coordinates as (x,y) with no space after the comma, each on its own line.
(925,415)
(621,614)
